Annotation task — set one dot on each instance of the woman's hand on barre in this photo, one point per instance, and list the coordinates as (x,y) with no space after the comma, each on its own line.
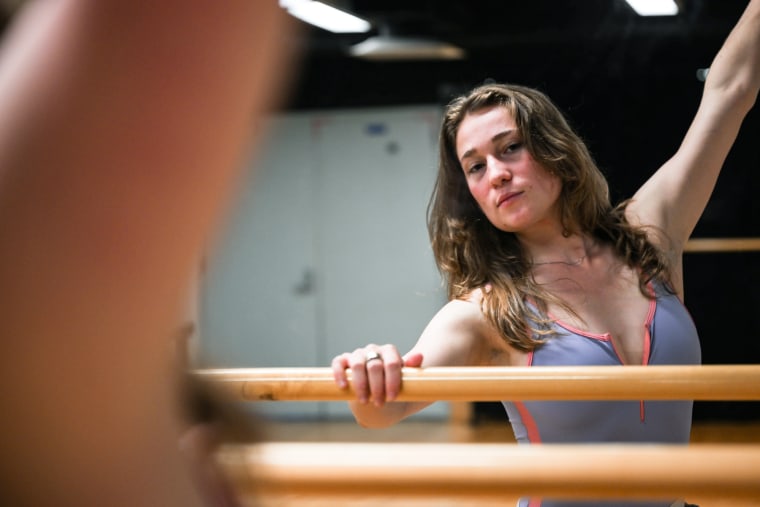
(375,372)
(453,337)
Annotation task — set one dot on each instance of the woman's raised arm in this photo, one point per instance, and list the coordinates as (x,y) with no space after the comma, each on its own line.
(674,198)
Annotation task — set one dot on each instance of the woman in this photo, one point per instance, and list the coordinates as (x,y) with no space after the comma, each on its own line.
(543,270)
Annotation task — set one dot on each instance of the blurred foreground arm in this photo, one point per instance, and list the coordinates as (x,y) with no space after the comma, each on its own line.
(122,128)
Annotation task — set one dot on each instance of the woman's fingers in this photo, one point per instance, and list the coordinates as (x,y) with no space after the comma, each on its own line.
(339,365)
(374,365)
(357,363)
(375,372)
(392,363)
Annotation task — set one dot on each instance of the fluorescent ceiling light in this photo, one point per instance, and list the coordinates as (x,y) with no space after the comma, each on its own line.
(325,16)
(654,7)
(386,47)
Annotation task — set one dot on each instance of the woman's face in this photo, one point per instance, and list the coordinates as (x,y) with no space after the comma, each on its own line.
(514,192)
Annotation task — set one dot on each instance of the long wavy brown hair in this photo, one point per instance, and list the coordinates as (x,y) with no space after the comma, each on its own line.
(471,253)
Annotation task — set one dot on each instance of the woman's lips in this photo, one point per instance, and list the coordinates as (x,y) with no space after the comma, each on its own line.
(506,198)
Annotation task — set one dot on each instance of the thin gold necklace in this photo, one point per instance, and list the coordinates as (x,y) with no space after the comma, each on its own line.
(576,262)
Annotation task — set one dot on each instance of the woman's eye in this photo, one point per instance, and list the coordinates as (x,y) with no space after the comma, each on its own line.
(512,147)
(475,168)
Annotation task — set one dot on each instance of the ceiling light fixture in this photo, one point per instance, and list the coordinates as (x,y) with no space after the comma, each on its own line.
(654,7)
(390,47)
(325,16)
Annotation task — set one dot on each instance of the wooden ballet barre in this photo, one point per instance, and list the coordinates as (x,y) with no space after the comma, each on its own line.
(491,471)
(705,382)
(703,245)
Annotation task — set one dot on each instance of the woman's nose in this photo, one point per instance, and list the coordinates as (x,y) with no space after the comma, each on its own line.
(498,172)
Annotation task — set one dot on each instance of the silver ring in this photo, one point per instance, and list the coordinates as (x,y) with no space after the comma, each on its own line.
(371,356)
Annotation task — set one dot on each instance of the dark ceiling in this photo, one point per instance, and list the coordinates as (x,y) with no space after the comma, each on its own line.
(567,46)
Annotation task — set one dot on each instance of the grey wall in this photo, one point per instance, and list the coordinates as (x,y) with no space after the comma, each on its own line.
(326,249)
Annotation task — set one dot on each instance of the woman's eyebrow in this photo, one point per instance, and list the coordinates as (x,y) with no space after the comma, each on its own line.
(498,137)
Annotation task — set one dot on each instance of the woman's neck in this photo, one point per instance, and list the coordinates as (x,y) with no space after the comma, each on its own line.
(570,250)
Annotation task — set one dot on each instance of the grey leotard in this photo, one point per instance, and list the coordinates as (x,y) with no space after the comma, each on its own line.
(670,337)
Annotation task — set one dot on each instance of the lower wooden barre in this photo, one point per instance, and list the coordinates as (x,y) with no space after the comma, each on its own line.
(707,382)
(490,471)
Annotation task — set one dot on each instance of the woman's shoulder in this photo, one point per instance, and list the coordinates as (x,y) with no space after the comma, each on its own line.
(462,320)
(463,311)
